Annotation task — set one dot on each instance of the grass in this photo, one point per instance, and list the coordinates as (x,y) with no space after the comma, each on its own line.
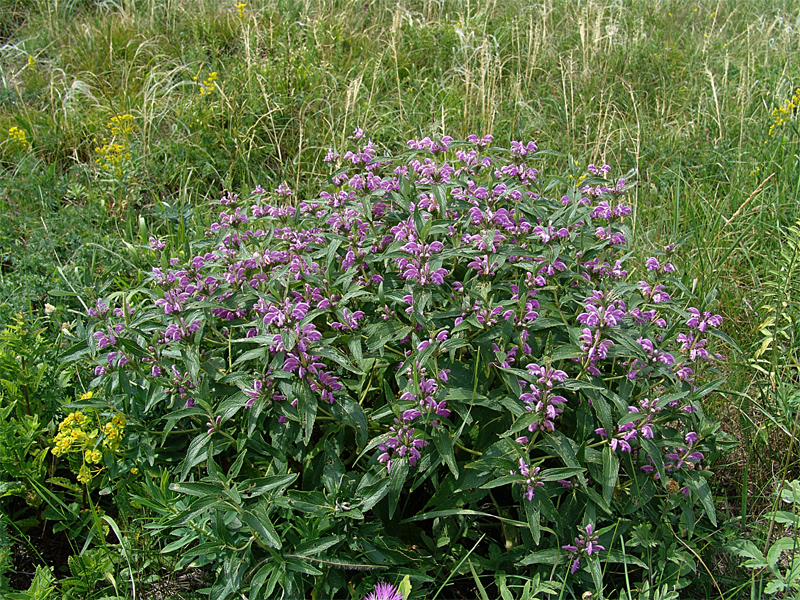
(680,92)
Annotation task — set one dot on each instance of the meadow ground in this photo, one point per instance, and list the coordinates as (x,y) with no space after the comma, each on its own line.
(122,120)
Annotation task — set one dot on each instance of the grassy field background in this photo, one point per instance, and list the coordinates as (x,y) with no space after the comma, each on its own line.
(120,120)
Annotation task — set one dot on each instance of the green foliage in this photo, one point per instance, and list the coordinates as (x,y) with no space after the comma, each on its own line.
(776,570)
(776,355)
(42,587)
(28,369)
(442,342)
(696,97)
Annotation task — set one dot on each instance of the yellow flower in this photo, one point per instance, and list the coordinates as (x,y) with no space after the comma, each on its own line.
(209,84)
(122,125)
(87,395)
(785,112)
(84,474)
(18,138)
(93,456)
(62,445)
(240,9)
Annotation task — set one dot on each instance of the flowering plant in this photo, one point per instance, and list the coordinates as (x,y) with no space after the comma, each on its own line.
(372,378)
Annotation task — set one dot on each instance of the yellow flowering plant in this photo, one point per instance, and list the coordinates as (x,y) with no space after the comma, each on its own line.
(18,139)
(86,436)
(115,158)
(209,84)
(785,113)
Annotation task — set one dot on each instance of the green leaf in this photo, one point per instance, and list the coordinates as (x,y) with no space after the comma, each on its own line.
(337,357)
(320,545)
(133,348)
(559,473)
(529,418)
(196,453)
(566,450)
(533,514)
(597,575)
(333,246)
(309,502)
(775,586)
(616,556)
(307,409)
(258,581)
(180,543)
(705,390)
(610,473)
(545,323)
(699,484)
(350,412)
(397,478)
(252,488)
(463,512)
(197,489)
(784,517)
(745,549)
(75,352)
(255,355)
(504,480)
(404,589)
(386,332)
(373,493)
(300,566)
(727,339)
(543,557)
(602,410)
(654,452)
(780,546)
(355,347)
(598,500)
(464,394)
(566,352)
(445,447)
(259,523)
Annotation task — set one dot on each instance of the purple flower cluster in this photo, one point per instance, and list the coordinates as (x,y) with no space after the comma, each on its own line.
(684,455)
(584,545)
(541,400)
(528,478)
(403,443)
(380,293)
(628,431)
(418,268)
(655,356)
(600,314)
(427,403)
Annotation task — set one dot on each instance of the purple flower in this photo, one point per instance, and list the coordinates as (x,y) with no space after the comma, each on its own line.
(702,322)
(528,477)
(384,591)
(283,190)
(682,456)
(411,414)
(403,443)
(585,544)
(103,340)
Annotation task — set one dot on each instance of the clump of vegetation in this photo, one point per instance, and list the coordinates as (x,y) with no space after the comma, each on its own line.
(122,123)
(441,339)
